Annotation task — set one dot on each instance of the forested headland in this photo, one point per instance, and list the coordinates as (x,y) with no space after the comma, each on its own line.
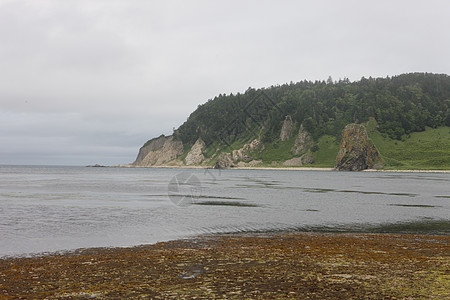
(407,113)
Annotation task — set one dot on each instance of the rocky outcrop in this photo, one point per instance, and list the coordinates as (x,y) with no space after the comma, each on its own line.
(240,157)
(303,141)
(286,130)
(305,159)
(357,152)
(195,156)
(158,152)
(152,145)
(224,161)
(243,153)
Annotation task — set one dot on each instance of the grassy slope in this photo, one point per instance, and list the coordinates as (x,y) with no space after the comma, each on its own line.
(278,152)
(326,155)
(429,149)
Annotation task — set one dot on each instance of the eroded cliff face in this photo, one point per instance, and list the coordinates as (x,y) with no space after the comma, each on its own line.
(305,159)
(286,130)
(224,161)
(244,152)
(195,156)
(160,151)
(241,157)
(303,142)
(356,152)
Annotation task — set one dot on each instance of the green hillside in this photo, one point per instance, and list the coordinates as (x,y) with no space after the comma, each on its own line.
(325,156)
(429,149)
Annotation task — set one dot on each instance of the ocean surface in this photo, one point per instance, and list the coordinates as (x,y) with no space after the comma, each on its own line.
(49,209)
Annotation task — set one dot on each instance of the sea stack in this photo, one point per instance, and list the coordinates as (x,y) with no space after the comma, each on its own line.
(356,152)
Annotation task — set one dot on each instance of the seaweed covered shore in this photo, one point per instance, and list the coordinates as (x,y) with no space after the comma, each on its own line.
(251,266)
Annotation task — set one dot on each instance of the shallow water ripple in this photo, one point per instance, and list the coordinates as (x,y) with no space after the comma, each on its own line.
(60,208)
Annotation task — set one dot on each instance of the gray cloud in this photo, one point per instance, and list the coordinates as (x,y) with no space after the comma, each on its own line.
(90,81)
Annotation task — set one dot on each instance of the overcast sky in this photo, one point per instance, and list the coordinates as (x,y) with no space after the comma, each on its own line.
(84,82)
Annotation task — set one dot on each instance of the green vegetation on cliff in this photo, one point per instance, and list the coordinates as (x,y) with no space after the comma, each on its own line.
(401,105)
(429,149)
(407,117)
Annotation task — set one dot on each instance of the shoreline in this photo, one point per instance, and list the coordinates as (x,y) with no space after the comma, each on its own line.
(280,169)
(281,265)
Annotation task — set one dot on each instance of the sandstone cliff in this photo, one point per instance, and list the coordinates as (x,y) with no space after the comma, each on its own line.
(286,130)
(159,152)
(241,157)
(195,156)
(224,161)
(303,142)
(305,159)
(244,152)
(356,152)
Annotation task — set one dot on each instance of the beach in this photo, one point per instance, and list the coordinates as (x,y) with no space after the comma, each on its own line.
(236,266)
(300,168)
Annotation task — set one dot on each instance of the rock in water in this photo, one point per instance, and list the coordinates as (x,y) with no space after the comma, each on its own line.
(357,152)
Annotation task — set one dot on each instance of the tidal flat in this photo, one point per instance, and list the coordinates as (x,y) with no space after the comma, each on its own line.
(237,266)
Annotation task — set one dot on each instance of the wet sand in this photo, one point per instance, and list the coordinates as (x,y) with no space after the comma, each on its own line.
(250,266)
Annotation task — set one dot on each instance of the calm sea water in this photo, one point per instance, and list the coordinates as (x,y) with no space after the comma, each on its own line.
(46,209)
